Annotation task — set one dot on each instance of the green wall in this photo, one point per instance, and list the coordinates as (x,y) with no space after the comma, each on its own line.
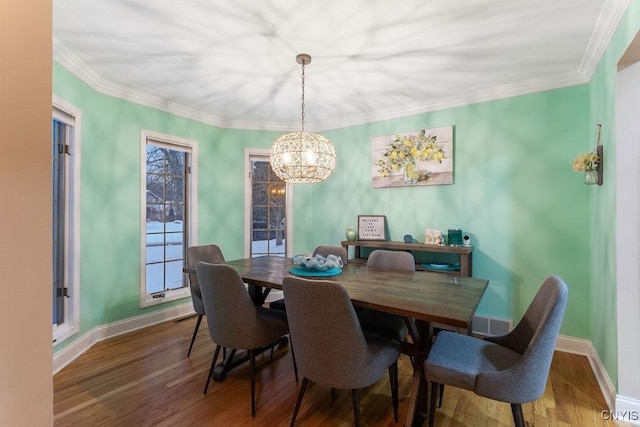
(514,192)
(110,194)
(602,101)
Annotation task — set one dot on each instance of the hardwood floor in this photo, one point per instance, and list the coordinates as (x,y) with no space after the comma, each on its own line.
(145,379)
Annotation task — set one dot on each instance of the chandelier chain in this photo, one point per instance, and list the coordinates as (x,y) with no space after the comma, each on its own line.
(302,157)
(303,62)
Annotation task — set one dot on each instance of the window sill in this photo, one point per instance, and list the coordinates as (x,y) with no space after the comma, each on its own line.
(148,301)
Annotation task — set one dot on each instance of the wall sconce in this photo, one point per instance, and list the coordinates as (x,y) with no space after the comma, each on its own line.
(599,153)
(591,163)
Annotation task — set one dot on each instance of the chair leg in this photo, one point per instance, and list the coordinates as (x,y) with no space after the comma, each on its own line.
(333,394)
(303,388)
(441,394)
(213,364)
(195,332)
(252,361)
(356,405)
(518,417)
(393,380)
(293,356)
(432,405)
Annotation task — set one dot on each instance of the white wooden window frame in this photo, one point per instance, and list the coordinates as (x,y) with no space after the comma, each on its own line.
(263,154)
(71,116)
(190,146)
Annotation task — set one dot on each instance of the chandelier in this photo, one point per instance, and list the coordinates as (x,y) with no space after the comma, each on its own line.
(302,157)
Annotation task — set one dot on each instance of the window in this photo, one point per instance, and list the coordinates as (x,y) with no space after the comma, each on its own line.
(167,185)
(65,149)
(268,219)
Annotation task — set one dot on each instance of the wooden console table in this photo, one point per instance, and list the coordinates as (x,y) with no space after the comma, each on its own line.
(464,253)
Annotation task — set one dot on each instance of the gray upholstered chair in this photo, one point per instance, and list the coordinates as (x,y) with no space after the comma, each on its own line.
(324,251)
(233,320)
(331,348)
(195,254)
(511,368)
(388,325)
(397,260)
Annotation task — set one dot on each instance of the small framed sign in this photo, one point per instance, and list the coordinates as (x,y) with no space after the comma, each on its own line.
(372,227)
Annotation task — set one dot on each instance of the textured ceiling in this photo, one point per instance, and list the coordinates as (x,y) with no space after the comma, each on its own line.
(232,63)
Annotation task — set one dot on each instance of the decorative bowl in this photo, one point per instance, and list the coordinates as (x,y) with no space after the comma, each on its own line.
(317,262)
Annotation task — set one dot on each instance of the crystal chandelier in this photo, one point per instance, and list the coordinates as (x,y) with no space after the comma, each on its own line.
(302,157)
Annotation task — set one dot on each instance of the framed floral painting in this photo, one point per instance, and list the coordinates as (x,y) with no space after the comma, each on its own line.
(423,157)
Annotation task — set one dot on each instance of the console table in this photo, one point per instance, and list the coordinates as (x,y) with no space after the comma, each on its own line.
(464,253)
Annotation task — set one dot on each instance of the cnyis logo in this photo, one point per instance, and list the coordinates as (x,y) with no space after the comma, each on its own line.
(620,415)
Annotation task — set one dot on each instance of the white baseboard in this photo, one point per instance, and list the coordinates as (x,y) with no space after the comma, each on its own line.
(585,348)
(627,410)
(97,334)
(621,408)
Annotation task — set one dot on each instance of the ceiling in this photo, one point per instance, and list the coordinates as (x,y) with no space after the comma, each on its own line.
(232,63)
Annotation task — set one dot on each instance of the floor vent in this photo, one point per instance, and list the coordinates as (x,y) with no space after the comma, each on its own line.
(491,326)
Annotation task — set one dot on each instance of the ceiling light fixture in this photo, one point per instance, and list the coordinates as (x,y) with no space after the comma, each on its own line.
(302,157)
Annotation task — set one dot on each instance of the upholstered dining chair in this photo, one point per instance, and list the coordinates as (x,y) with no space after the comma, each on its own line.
(386,324)
(331,348)
(397,260)
(195,254)
(511,368)
(233,320)
(324,251)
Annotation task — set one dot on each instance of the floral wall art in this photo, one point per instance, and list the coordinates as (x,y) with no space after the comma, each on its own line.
(423,157)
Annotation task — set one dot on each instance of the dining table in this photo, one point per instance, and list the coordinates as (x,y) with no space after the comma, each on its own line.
(422,298)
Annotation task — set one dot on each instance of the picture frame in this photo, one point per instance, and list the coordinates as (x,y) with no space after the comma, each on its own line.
(413,159)
(372,227)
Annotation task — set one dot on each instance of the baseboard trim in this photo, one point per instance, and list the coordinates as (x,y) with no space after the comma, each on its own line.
(627,410)
(110,330)
(585,348)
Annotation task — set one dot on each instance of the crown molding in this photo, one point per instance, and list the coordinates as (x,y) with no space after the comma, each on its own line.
(65,57)
(75,65)
(609,19)
(610,16)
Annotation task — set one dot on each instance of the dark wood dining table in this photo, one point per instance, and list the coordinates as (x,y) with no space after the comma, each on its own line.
(421,298)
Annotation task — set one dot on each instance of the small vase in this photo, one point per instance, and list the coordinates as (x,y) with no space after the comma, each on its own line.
(410,173)
(591,177)
(351,234)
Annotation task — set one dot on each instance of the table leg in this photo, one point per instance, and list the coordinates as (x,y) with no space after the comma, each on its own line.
(417,407)
(234,359)
(258,294)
